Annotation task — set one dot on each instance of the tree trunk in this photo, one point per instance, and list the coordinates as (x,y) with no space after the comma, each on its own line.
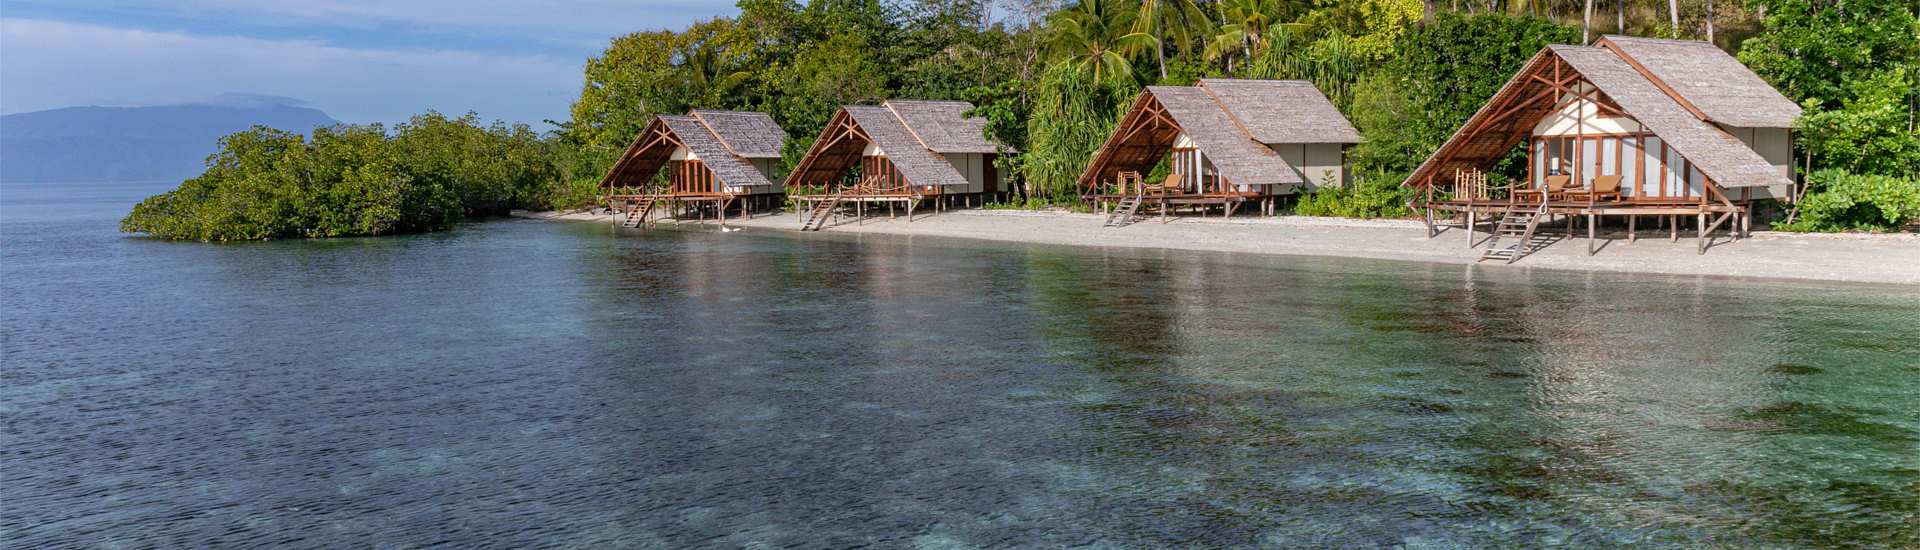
(1709,21)
(1586,24)
(1160,52)
(1620,17)
(1673,18)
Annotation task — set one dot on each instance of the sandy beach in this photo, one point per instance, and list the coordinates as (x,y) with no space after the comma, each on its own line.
(1854,258)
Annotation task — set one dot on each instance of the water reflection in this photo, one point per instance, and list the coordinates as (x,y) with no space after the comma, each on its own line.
(546,385)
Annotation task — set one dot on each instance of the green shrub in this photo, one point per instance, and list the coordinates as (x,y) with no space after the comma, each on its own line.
(1369,198)
(1843,201)
(360,180)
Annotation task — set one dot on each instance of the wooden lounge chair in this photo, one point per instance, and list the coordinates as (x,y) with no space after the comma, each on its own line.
(1603,187)
(1171,185)
(1555,186)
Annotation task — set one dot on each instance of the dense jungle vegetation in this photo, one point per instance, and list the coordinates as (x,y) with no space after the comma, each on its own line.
(1053,79)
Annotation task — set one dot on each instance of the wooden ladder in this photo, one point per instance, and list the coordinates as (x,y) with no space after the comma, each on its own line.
(637,213)
(1123,213)
(816,217)
(1518,222)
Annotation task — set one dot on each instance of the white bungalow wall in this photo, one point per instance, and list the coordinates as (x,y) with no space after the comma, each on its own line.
(1773,144)
(1313,162)
(1583,117)
(1561,122)
(765,166)
(1317,164)
(972,167)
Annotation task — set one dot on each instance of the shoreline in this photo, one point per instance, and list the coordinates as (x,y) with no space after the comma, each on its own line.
(1829,257)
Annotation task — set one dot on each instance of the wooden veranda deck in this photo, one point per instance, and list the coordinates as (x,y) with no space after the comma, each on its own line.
(637,208)
(1709,215)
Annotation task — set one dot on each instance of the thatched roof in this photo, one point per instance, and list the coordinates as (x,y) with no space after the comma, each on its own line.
(727,168)
(918,164)
(1495,129)
(1282,111)
(1238,157)
(699,132)
(1705,77)
(941,125)
(748,134)
(1722,157)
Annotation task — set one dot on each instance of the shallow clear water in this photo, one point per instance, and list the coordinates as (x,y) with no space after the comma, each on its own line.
(522,384)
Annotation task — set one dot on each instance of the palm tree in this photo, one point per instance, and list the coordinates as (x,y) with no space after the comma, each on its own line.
(1182,17)
(1096,36)
(1243,23)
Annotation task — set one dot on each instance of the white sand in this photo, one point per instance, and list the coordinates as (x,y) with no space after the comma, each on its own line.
(1860,258)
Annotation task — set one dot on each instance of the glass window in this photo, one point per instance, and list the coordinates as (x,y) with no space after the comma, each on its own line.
(1629,169)
(1676,170)
(1694,180)
(1650,172)
(1588,159)
(1610,157)
(1539,162)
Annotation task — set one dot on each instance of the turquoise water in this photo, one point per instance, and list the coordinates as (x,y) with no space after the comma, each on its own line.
(519,384)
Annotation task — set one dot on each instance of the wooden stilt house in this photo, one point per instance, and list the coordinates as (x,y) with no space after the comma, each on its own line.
(712,160)
(1630,127)
(901,153)
(1226,142)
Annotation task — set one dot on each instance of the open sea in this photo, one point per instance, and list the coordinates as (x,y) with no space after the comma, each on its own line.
(526,384)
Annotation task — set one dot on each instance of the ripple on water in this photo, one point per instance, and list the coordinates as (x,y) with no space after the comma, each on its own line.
(675,389)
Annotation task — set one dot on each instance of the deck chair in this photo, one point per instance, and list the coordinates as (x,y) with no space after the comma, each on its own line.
(1171,185)
(1603,186)
(1555,185)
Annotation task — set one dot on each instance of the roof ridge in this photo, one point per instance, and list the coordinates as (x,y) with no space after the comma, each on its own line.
(1644,72)
(695,113)
(1230,116)
(910,131)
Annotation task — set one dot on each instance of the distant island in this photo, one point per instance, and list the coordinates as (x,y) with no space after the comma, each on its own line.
(129,144)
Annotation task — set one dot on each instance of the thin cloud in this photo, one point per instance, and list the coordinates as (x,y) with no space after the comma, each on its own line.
(51,64)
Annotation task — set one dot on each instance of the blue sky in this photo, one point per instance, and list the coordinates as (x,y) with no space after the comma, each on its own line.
(360,61)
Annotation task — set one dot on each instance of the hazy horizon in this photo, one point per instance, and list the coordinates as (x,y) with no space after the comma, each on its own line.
(359,62)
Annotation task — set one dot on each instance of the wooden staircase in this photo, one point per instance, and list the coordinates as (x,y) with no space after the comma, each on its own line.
(1517,222)
(815,218)
(637,213)
(1123,213)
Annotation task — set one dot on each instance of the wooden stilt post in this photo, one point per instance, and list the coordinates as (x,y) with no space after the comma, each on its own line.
(1673,228)
(1631,220)
(1590,232)
(1703,232)
(1472,217)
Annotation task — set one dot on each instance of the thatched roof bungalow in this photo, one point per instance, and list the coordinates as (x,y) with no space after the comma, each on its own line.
(899,152)
(1628,126)
(1227,141)
(713,159)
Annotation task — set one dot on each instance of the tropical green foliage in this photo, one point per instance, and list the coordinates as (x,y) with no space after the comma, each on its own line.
(1072,115)
(1053,78)
(1847,201)
(423,175)
(1369,198)
(1855,68)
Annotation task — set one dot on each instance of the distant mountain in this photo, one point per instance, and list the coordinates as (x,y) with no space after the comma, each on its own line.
(108,144)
